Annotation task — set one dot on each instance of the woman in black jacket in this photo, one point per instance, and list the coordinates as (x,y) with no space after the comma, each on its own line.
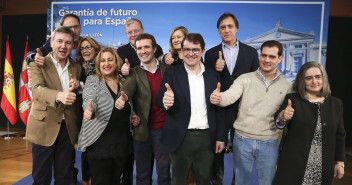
(313,148)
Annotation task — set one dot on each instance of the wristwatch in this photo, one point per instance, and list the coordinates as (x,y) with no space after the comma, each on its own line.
(341,164)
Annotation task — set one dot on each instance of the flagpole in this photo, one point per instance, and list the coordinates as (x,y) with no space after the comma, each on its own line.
(8,136)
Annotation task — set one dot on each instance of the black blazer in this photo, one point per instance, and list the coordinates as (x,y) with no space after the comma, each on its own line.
(297,141)
(178,116)
(126,51)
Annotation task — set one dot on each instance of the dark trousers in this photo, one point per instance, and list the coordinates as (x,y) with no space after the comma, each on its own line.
(218,164)
(127,178)
(85,167)
(195,149)
(143,154)
(59,154)
(106,171)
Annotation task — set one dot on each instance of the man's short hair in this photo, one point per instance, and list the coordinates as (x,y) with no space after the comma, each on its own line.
(147,36)
(226,15)
(273,43)
(195,38)
(62,29)
(69,15)
(131,20)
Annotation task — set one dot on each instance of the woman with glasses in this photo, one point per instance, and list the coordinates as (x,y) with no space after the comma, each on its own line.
(105,134)
(176,57)
(86,52)
(313,148)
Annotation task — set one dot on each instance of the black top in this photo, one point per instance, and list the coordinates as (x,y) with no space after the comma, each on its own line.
(116,138)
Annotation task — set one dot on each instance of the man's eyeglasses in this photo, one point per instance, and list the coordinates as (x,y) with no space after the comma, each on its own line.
(133,31)
(88,47)
(188,50)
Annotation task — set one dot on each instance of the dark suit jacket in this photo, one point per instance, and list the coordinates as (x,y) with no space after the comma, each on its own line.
(296,143)
(137,88)
(44,120)
(178,116)
(247,61)
(126,51)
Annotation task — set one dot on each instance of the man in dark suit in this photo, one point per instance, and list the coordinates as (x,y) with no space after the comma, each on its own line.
(53,122)
(231,58)
(194,129)
(133,28)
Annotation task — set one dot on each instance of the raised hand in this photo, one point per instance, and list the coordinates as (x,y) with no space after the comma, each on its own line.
(67,97)
(120,102)
(168,59)
(89,112)
(38,58)
(220,63)
(168,98)
(74,82)
(287,113)
(215,97)
(125,69)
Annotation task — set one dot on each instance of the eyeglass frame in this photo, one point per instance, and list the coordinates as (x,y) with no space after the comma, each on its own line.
(87,47)
(194,50)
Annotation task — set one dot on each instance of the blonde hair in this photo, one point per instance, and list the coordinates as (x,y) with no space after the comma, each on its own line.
(117,60)
(183,30)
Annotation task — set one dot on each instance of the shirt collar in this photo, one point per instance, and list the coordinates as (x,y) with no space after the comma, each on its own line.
(189,72)
(227,46)
(57,64)
(156,68)
(277,73)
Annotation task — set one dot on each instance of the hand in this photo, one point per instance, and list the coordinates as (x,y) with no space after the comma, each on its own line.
(135,120)
(74,82)
(125,69)
(89,112)
(287,113)
(219,147)
(67,97)
(220,63)
(338,172)
(120,102)
(38,58)
(215,97)
(168,59)
(168,98)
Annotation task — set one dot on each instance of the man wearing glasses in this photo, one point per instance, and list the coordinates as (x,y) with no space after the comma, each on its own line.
(194,129)
(68,20)
(133,28)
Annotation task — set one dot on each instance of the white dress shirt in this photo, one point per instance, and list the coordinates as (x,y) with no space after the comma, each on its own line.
(230,55)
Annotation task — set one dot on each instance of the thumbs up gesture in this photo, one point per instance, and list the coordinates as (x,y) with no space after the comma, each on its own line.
(120,102)
(38,58)
(125,69)
(220,63)
(74,82)
(89,112)
(67,97)
(168,58)
(287,113)
(215,97)
(168,98)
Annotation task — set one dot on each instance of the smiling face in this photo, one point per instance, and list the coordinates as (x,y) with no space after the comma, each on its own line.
(132,31)
(314,81)
(145,51)
(62,45)
(108,64)
(228,30)
(176,39)
(191,58)
(87,50)
(269,59)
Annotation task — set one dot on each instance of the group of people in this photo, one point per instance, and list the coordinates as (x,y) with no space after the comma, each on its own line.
(140,105)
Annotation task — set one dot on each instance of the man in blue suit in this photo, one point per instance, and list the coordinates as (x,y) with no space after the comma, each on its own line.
(194,129)
(230,58)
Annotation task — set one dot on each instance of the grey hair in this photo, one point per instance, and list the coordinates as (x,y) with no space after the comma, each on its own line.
(62,29)
(132,20)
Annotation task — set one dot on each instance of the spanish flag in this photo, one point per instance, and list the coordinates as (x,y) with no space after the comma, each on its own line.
(24,95)
(8,99)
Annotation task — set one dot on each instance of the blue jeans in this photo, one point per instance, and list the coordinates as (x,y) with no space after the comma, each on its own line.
(246,152)
(143,154)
